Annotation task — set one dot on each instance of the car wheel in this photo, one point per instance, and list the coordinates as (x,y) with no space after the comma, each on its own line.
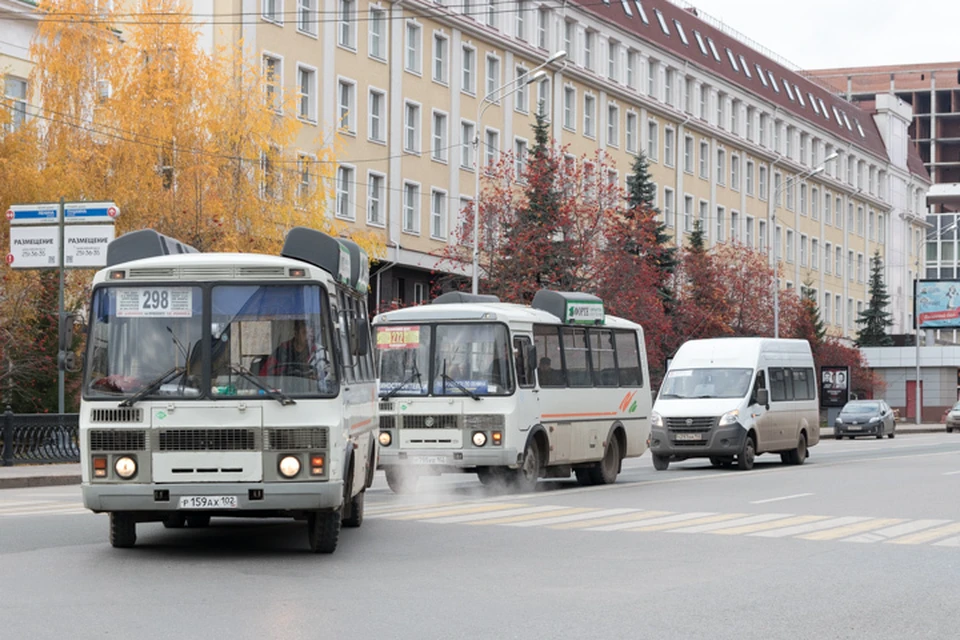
(660,463)
(892,435)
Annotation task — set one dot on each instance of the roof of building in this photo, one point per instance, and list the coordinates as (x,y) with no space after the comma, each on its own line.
(682,32)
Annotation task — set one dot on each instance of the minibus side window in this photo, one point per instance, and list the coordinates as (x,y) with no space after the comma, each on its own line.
(759,383)
(778,385)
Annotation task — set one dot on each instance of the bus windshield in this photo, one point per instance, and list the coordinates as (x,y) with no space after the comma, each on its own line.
(444,359)
(706,383)
(263,340)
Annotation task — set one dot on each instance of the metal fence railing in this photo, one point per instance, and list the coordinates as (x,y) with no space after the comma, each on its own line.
(39,438)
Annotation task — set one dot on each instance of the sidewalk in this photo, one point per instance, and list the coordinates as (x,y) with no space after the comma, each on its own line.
(45,475)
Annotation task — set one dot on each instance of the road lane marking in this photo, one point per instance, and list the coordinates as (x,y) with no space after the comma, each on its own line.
(811,526)
(951,473)
(676,517)
(704,528)
(766,526)
(592,514)
(637,514)
(533,516)
(49,506)
(929,535)
(672,526)
(899,530)
(439,513)
(949,542)
(382,509)
(481,516)
(796,495)
(851,529)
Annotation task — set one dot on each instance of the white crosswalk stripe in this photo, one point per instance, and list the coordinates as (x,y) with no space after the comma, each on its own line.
(41,508)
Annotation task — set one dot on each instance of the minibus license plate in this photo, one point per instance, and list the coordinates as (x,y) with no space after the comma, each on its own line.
(208,502)
(688,436)
(429,460)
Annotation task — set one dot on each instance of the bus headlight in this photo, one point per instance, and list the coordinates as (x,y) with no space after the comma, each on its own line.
(656,420)
(385,438)
(126,467)
(730,417)
(479,438)
(289,466)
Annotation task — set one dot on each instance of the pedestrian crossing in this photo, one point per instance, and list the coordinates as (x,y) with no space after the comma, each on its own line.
(11,508)
(819,528)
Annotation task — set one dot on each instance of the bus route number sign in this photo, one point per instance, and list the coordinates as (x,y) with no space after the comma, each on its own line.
(398,337)
(155,302)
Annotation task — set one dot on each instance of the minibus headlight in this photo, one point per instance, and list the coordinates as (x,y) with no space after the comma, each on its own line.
(289,466)
(656,420)
(479,438)
(730,417)
(126,467)
(385,438)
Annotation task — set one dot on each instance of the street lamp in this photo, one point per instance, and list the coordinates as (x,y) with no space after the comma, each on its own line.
(935,235)
(773,233)
(537,74)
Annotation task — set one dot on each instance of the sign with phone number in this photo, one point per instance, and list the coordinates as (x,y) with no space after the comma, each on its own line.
(155,302)
(398,337)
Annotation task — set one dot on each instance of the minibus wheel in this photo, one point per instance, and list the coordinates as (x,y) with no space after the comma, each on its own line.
(660,463)
(747,455)
(123,530)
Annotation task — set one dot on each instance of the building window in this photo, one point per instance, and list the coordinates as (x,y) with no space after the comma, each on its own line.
(668,204)
(378,19)
(631,79)
(704,216)
(734,226)
(669,150)
(491,14)
(721,166)
(346,106)
(827,213)
(750,178)
(613,125)
(570,108)
(307,93)
(688,214)
(777,189)
(440,58)
(748,237)
(439,137)
(375,199)
(814,203)
(348,24)
(411,128)
(652,70)
(307,16)
(881,232)
(272,74)
(543,26)
(687,154)
(827,258)
(704,160)
(520,27)
(305,181)
(789,188)
(720,224)
(411,208)
(762,179)
(543,98)
(826,307)
(704,95)
(521,100)
(631,132)
(688,95)
(851,274)
(762,235)
(569,36)
(438,214)
(860,274)
(838,262)
(588,39)
(751,130)
(838,309)
(668,86)
(589,116)
(378,129)
(345,197)
(653,140)
(520,158)
(413,60)
(272,10)
(814,254)
(790,254)
(466,145)
(469,70)
(15,92)
(860,221)
(735,173)
(491,147)
(803,250)
(613,72)
(493,75)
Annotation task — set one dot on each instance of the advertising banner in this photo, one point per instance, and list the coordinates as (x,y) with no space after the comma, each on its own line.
(834,386)
(937,303)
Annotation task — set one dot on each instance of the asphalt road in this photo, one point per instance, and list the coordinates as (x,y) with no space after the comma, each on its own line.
(863,541)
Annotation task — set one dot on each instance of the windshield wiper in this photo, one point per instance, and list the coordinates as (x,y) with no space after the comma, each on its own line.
(273,394)
(415,374)
(443,374)
(153,386)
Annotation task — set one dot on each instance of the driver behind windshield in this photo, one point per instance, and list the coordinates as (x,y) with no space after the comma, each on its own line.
(291,357)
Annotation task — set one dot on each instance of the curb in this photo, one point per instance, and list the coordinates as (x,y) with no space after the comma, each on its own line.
(38,481)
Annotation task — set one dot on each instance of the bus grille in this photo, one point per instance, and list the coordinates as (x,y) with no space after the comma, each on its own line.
(118,414)
(431,422)
(688,425)
(104,440)
(388,422)
(207,440)
(296,439)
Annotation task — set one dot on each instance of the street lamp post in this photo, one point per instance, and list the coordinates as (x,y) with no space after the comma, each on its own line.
(916,315)
(773,233)
(534,75)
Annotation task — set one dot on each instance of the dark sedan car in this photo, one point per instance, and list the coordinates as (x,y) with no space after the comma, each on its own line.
(865,418)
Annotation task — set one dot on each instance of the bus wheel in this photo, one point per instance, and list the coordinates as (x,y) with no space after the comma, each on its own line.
(175,521)
(400,480)
(198,520)
(607,469)
(490,476)
(525,478)
(355,519)
(660,463)
(123,530)
(323,530)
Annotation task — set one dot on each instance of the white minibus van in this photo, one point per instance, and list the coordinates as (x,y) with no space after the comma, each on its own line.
(735,398)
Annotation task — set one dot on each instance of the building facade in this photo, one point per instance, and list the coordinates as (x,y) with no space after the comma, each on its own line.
(759,153)
(18,19)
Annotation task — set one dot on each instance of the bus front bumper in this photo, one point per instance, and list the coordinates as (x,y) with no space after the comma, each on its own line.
(453,459)
(249,496)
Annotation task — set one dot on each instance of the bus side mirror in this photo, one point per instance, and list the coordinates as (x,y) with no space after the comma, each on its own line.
(763,397)
(71,325)
(532,355)
(360,337)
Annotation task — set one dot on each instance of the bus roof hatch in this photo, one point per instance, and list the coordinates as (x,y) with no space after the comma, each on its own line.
(453,297)
(571,308)
(145,243)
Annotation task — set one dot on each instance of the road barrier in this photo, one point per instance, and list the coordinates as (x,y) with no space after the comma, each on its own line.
(39,438)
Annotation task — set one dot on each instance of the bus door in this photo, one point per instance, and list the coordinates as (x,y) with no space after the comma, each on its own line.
(528,398)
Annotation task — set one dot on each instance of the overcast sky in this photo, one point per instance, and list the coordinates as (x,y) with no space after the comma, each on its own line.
(818,34)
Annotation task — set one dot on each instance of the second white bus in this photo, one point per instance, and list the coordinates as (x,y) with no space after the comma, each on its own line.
(510,392)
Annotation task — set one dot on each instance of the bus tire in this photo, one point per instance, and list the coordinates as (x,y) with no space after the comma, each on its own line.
(323,530)
(401,480)
(123,530)
(606,471)
(490,476)
(525,478)
(355,519)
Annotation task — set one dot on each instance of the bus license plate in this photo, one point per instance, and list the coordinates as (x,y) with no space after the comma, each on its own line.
(208,502)
(688,436)
(429,460)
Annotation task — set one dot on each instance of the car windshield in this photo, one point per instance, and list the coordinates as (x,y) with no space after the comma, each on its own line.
(274,335)
(706,383)
(861,407)
(445,359)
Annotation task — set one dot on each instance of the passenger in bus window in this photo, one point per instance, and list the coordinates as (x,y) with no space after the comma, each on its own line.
(546,373)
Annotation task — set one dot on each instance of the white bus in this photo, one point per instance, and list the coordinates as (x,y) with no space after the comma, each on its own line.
(510,392)
(223,384)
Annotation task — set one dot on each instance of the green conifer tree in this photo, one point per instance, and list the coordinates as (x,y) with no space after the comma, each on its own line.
(875,319)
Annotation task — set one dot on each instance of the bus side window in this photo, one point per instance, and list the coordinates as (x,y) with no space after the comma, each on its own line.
(550,366)
(521,356)
(575,357)
(628,359)
(602,358)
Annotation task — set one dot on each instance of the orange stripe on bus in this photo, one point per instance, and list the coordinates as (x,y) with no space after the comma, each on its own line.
(360,425)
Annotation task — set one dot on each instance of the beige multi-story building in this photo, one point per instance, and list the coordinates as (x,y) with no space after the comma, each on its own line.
(762,155)
(18,19)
